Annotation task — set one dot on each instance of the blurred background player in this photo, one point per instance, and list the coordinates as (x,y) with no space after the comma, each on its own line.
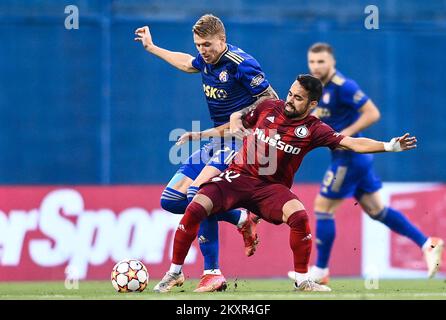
(232,80)
(269,195)
(349,111)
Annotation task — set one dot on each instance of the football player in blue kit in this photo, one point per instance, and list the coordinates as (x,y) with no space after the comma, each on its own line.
(232,80)
(348,110)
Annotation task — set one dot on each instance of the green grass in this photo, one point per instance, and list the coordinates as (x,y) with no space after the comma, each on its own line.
(245,289)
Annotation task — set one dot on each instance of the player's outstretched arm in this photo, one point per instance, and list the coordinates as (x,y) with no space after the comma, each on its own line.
(212,132)
(366,145)
(179,60)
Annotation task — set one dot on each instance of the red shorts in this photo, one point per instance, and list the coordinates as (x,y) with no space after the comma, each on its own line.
(233,190)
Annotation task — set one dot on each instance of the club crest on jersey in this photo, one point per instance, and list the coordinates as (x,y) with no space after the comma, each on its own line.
(301,132)
(223,76)
(326,98)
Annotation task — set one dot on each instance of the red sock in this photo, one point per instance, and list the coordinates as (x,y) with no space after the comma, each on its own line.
(300,240)
(187,231)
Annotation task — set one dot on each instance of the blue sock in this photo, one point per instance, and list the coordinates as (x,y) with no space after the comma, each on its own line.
(325,236)
(191,192)
(174,201)
(396,221)
(207,236)
(208,240)
(231,216)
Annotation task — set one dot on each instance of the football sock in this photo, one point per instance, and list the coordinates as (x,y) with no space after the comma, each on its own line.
(208,236)
(187,231)
(397,222)
(300,240)
(325,236)
(191,192)
(173,201)
(208,232)
(212,271)
(175,268)
(232,216)
(208,241)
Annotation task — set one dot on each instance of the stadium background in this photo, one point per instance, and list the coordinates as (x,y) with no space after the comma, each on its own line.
(89,107)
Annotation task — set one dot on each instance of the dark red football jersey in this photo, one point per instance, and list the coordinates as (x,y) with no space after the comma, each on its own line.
(278,144)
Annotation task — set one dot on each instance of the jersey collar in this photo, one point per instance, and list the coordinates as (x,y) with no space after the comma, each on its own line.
(223,53)
(331,78)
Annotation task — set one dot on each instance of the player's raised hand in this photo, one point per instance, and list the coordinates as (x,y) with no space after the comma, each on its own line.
(143,35)
(188,136)
(407,142)
(403,143)
(236,127)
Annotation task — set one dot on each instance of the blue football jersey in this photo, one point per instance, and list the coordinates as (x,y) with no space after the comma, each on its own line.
(340,103)
(231,84)
(349,173)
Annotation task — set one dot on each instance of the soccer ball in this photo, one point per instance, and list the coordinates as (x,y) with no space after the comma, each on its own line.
(129,275)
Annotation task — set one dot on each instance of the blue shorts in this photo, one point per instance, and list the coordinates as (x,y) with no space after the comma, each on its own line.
(218,153)
(349,174)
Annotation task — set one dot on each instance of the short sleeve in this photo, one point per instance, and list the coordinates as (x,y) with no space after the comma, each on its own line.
(252,77)
(324,136)
(250,119)
(352,95)
(198,62)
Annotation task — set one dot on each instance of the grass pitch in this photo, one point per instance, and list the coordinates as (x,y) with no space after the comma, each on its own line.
(241,289)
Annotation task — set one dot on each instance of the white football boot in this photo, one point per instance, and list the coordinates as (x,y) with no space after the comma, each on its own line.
(433,250)
(169,281)
(319,275)
(310,285)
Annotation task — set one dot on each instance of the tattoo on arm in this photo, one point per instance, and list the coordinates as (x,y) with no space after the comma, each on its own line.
(269,93)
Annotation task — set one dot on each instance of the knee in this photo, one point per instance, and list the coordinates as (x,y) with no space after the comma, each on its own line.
(298,219)
(374,211)
(204,202)
(322,204)
(196,212)
(377,213)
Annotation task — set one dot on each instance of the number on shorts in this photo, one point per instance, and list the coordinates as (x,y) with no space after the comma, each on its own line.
(230,157)
(229,175)
(328,178)
(216,158)
(334,181)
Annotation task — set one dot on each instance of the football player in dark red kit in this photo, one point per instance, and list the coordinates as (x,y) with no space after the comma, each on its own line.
(262,174)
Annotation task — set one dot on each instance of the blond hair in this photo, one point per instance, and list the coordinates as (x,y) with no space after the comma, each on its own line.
(209,25)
